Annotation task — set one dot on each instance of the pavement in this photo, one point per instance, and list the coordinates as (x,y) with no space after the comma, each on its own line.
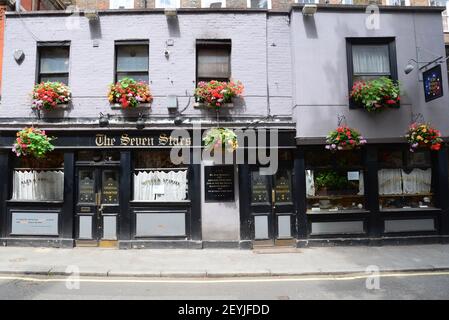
(222,263)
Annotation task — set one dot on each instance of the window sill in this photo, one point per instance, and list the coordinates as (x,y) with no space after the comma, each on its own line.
(35,201)
(117,106)
(310,212)
(392,210)
(201,105)
(159,202)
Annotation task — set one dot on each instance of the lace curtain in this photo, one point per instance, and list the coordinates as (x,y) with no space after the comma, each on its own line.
(371,59)
(160,185)
(38,185)
(397,181)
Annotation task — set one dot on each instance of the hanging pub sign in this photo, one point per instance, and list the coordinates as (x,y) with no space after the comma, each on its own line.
(219,183)
(433,83)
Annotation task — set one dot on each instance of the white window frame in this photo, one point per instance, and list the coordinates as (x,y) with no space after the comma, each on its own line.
(391,2)
(127,4)
(431,3)
(159,5)
(206,3)
(248,4)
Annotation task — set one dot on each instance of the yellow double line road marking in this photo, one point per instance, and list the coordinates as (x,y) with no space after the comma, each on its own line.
(347,277)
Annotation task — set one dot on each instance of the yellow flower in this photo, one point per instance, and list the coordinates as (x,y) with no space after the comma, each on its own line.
(424,130)
(426,141)
(419,138)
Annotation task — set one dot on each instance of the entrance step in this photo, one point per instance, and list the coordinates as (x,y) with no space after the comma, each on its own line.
(86,243)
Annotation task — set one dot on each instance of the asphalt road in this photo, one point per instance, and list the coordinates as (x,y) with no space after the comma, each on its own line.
(405,286)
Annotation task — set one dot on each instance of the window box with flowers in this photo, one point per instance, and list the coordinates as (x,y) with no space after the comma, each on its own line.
(376,95)
(220,139)
(216,94)
(128,94)
(344,138)
(32,142)
(422,135)
(48,96)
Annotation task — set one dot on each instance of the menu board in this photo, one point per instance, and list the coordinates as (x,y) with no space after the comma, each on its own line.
(219,183)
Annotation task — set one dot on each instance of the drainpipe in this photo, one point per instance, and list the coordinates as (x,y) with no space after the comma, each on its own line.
(18,5)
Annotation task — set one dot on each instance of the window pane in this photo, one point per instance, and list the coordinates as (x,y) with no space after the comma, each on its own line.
(167,4)
(283,186)
(54,59)
(213,3)
(132,58)
(38,185)
(110,187)
(161,185)
(138,76)
(404,185)
(371,59)
(55,78)
(86,186)
(259,4)
(259,188)
(213,63)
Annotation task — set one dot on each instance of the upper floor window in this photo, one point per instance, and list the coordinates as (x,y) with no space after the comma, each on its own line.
(371,58)
(213,60)
(438,3)
(132,60)
(259,4)
(398,2)
(121,4)
(53,63)
(306,1)
(213,3)
(168,3)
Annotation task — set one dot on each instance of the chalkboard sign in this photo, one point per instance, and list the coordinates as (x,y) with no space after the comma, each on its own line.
(219,183)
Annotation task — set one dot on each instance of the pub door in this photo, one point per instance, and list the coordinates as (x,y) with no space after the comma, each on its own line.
(97,206)
(272,208)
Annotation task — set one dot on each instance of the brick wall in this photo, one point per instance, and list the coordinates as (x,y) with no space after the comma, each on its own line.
(91,68)
(2,27)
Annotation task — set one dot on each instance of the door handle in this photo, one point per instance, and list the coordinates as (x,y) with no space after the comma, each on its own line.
(273,198)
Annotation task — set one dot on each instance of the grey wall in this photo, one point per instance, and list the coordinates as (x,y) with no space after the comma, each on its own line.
(320,71)
(91,68)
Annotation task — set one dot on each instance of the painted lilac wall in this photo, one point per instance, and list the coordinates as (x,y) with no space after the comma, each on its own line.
(320,71)
(91,68)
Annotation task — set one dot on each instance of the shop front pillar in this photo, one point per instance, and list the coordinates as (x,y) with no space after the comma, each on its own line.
(442,188)
(300,181)
(375,226)
(68,215)
(5,166)
(126,172)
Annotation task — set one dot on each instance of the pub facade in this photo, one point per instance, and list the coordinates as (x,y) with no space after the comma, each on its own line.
(140,177)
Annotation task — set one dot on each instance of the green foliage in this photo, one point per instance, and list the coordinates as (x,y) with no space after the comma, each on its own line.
(377,94)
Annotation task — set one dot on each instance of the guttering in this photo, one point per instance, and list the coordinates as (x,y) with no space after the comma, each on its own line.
(358,8)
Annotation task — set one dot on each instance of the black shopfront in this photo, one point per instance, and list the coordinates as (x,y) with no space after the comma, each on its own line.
(101,188)
(380,194)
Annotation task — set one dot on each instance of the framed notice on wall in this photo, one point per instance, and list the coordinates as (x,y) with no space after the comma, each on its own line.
(433,83)
(219,183)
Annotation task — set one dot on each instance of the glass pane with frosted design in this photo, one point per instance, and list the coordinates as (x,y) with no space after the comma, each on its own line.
(259,4)
(213,63)
(54,60)
(132,58)
(371,59)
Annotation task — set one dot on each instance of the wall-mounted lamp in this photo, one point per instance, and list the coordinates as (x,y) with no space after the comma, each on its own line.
(103,120)
(309,9)
(172,103)
(178,120)
(140,123)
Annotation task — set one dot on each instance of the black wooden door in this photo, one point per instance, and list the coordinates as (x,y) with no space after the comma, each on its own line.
(97,206)
(272,208)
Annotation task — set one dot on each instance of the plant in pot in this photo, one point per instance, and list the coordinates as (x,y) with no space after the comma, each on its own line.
(128,93)
(376,95)
(344,138)
(32,142)
(50,95)
(215,94)
(331,182)
(423,135)
(220,138)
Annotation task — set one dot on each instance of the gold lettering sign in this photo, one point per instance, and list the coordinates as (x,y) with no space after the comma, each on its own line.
(103,140)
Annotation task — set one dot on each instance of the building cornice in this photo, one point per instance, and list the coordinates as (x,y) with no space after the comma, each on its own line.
(180,11)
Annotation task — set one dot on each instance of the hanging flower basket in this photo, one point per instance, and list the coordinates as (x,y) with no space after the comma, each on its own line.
(377,94)
(422,135)
(221,138)
(215,94)
(32,142)
(50,95)
(344,138)
(129,93)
